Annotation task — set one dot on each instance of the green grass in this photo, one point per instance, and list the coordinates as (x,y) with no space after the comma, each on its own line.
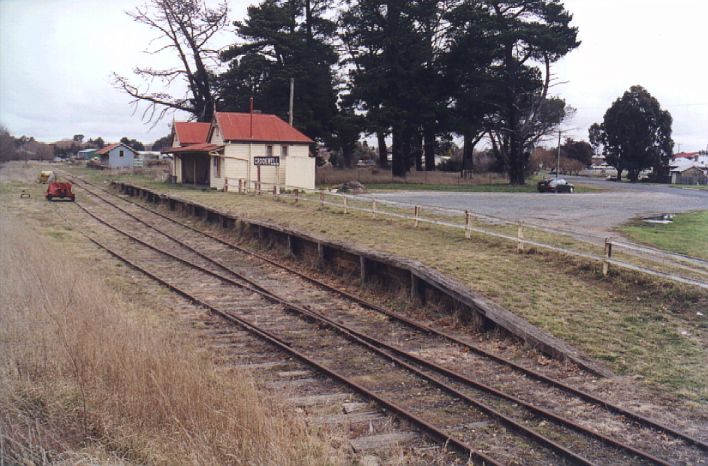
(688,234)
(686,186)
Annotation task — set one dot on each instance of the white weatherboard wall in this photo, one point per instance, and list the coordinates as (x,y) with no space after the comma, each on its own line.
(215,181)
(115,160)
(300,172)
(177,167)
(296,170)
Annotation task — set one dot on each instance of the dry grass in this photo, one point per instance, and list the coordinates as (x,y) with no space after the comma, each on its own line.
(83,379)
(373,175)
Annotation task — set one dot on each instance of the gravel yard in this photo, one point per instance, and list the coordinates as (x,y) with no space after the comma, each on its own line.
(594,213)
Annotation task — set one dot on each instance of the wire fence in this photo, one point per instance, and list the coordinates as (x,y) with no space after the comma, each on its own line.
(520,234)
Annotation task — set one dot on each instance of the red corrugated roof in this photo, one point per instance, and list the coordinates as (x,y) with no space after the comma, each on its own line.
(204,147)
(685,155)
(191,132)
(266,128)
(107,149)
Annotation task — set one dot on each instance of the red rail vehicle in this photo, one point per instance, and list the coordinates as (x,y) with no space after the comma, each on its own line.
(59,190)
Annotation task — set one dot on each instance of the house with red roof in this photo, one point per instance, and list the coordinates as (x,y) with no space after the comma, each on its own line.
(689,168)
(246,151)
(117,155)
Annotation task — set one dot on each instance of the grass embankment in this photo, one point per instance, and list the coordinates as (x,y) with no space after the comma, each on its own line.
(687,234)
(693,187)
(639,326)
(88,375)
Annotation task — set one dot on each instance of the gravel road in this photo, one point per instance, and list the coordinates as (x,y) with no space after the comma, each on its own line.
(586,213)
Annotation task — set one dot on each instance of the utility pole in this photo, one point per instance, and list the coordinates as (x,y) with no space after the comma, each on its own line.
(292,95)
(558,159)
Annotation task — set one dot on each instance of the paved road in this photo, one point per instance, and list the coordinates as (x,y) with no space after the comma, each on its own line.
(584,213)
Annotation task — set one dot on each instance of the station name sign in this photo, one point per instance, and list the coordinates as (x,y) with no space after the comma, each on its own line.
(266,161)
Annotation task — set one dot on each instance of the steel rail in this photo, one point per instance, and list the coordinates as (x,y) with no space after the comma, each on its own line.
(536,375)
(440,369)
(368,341)
(424,425)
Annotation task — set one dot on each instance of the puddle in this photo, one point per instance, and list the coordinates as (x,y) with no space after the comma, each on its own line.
(662,218)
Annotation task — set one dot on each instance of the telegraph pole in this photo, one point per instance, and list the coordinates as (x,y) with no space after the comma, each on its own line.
(292,95)
(558,159)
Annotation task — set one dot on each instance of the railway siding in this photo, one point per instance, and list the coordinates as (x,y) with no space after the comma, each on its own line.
(393,273)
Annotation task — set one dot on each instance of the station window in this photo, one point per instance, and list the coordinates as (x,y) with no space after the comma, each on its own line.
(284,151)
(269,151)
(120,153)
(216,161)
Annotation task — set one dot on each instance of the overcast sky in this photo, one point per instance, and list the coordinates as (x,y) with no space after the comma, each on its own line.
(57,56)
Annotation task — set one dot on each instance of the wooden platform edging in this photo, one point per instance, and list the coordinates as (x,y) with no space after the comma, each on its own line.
(394,273)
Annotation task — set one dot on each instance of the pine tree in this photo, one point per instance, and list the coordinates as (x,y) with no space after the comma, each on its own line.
(280,40)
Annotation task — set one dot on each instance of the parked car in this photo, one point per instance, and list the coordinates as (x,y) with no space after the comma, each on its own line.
(553,185)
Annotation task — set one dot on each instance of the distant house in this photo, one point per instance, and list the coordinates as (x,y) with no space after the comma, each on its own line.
(692,173)
(252,149)
(690,168)
(117,156)
(700,157)
(86,154)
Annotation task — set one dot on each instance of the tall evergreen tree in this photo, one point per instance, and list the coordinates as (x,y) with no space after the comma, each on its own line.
(527,37)
(469,54)
(635,135)
(387,45)
(280,40)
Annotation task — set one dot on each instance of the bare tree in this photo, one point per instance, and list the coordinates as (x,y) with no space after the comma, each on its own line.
(186,27)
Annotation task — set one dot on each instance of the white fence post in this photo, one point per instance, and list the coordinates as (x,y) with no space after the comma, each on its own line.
(468,224)
(416,212)
(346,207)
(322,198)
(608,255)
(373,208)
(520,238)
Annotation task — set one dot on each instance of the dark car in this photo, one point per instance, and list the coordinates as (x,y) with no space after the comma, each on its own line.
(553,185)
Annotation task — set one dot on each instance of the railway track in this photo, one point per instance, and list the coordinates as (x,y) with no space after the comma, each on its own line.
(431,379)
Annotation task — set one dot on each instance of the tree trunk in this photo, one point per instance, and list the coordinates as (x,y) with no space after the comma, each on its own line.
(347,155)
(383,150)
(467,154)
(429,146)
(516,162)
(515,150)
(417,149)
(633,175)
(407,148)
(308,20)
(399,159)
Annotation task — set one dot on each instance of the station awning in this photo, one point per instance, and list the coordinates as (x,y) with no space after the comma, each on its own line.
(204,148)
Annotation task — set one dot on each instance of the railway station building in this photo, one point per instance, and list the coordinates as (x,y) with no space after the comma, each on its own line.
(247,151)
